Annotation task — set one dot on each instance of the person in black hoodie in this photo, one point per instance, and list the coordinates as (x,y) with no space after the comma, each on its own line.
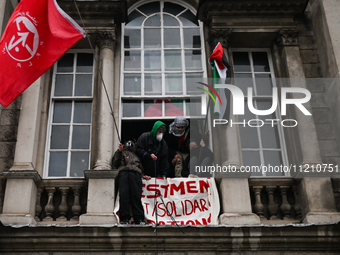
(153,151)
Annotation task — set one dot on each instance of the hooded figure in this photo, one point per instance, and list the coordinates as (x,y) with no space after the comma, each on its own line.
(153,151)
(130,172)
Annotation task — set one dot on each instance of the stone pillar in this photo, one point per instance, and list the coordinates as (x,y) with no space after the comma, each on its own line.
(317,196)
(22,178)
(100,198)
(105,124)
(101,180)
(234,190)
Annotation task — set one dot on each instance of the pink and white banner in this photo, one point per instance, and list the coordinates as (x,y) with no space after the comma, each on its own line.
(190,201)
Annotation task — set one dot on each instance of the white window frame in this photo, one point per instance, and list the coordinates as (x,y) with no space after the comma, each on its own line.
(162,97)
(53,99)
(283,147)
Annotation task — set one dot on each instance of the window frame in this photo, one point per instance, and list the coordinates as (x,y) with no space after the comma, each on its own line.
(52,99)
(142,97)
(280,131)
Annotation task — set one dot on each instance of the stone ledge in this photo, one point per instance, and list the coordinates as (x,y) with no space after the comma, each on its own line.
(100,174)
(17,219)
(23,174)
(239,219)
(97,219)
(322,218)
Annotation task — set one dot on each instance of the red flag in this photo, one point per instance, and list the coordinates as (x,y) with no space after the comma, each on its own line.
(37,34)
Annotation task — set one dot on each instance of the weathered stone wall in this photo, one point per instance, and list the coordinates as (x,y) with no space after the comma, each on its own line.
(321,109)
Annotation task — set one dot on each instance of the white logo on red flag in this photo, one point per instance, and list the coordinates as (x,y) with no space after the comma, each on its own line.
(24,41)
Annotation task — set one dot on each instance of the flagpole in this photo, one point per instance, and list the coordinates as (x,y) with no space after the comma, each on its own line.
(100,73)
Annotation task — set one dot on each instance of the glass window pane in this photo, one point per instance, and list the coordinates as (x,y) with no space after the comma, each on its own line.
(265,105)
(270,136)
(81,137)
(153,21)
(152,61)
(191,82)
(193,107)
(57,164)
(173,61)
(174,107)
(173,9)
(249,137)
(83,86)
(79,163)
(65,63)
(170,21)
(60,137)
(62,112)
(132,84)
(244,81)
(260,60)
(264,84)
(82,112)
(132,61)
(252,158)
(249,115)
(188,19)
(152,38)
(274,159)
(63,85)
(172,38)
(153,84)
(173,84)
(193,60)
(84,62)
(132,38)
(131,108)
(241,62)
(150,8)
(192,38)
(135,18)
(152,108)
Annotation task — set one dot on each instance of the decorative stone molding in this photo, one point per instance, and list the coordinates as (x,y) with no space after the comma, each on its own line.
(107,39)
(102,174)
(288,37)
(287,8)
(23,174)
(219,35)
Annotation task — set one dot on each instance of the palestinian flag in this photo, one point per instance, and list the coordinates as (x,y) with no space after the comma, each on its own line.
(221,67)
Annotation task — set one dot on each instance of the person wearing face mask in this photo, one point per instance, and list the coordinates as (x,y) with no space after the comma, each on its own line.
(130,172)
(178,141)
(153,151)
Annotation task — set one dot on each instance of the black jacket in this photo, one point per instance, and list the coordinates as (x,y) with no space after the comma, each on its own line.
(145,147)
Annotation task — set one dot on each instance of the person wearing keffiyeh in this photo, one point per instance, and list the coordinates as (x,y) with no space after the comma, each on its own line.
(178,140)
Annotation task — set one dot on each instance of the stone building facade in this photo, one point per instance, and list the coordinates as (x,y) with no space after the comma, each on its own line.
(49,205)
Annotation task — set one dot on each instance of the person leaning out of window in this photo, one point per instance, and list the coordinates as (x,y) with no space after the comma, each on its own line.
(153,151)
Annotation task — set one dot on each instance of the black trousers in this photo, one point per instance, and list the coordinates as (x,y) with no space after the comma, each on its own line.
(130,193)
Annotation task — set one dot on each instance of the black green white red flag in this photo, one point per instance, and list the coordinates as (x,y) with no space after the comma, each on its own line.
(221,67)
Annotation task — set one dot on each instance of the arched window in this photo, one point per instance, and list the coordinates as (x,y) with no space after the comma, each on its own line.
(162,61)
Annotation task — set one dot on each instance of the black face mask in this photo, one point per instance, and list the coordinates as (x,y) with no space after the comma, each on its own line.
(130,145)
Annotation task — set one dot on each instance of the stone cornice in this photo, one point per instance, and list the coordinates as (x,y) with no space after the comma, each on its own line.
(287,8)
(23,174)
(197,239)
(96,10)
